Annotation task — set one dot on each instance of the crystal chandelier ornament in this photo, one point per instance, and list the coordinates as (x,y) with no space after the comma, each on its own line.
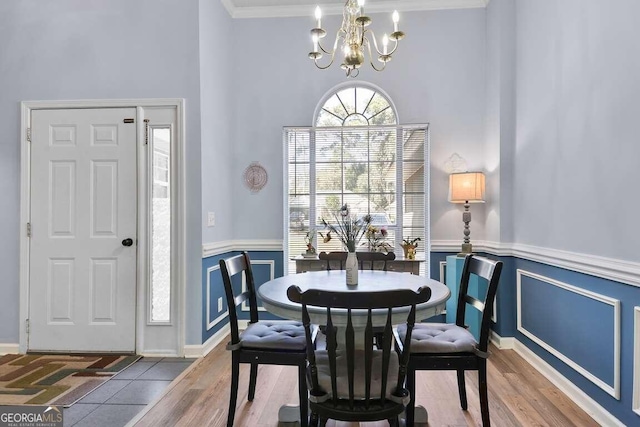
(355,40)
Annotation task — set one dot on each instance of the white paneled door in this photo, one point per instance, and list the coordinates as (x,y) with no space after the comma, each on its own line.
(82,274)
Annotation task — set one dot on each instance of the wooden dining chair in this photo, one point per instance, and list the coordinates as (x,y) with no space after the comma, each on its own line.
(334,259)
(373,260)
(263,342)
(364,382)
(441,346)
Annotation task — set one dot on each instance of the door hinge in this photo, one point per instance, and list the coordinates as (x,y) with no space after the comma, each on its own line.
(27,325)
(28,229)
(28,134)
(128,121)
(146,131)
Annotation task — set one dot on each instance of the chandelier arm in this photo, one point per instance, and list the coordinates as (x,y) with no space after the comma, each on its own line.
(324,67)
(375,43)
(335,43)
(384,64)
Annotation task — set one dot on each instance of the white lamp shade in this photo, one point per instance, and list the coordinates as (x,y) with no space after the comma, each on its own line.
(466,187)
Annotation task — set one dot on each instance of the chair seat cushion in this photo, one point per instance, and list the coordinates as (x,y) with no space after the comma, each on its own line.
(439,338)
(324,374)
(275,335)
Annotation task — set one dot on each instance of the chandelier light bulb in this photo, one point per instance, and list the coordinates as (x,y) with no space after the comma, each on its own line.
(361,3)
(385,43)
(396,19)
(318,16)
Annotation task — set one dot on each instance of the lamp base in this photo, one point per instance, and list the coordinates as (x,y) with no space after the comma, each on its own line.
(466,250)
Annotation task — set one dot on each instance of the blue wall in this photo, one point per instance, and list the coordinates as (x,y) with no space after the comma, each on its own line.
(579,327)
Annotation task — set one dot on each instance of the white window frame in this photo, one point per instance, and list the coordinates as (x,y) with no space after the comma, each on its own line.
(398,226)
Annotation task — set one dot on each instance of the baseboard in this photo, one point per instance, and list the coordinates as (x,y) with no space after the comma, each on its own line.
(158,353)
(503,343)
(9,348)
(195,351)
(579,397)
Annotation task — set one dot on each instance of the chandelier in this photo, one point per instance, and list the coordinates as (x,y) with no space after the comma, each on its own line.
(355,40)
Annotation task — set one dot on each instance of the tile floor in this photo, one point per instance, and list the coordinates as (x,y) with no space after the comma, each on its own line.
(118,400)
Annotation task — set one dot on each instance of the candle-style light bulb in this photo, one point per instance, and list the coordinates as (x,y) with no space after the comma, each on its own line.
(360,4)
(385,43)
(396,18)
(315,42)
(318,16)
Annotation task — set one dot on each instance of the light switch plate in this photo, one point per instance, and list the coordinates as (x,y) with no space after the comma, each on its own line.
(211,219)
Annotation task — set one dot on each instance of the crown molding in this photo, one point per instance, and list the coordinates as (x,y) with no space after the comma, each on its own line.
(336,8)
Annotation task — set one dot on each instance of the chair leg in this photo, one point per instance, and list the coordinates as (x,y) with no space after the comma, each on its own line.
(323,422)
(313,420)
(393,422)
(253,376)
(233,394)
(302,392)
(411,387)
(484,397)
(462,390)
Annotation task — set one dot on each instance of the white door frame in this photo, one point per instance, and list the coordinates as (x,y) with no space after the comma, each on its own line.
(178,236)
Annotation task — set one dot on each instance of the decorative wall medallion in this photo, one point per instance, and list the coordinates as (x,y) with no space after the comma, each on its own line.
(455,163)
(255,177)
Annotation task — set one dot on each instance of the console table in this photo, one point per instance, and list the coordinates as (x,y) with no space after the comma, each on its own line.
(399,265)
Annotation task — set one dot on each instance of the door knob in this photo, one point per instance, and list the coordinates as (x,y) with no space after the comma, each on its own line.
(127,242)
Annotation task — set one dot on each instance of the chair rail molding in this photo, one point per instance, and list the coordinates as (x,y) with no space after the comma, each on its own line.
(222,247)
(617,270)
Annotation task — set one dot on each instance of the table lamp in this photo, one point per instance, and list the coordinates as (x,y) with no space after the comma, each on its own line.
(466,187)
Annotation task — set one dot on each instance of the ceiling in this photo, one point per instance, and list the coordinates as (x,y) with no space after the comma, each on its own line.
(287,8)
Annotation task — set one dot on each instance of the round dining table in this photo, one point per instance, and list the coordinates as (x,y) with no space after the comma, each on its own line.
(274,295)
(274,299)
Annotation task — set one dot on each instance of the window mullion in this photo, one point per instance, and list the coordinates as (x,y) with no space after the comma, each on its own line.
(399,189)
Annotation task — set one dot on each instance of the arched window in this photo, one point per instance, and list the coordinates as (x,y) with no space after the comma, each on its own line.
(356,154)
(356,105)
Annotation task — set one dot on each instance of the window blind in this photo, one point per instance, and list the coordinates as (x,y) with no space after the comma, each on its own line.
(377,170)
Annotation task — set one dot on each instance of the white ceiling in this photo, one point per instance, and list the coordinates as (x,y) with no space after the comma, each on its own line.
(287,8)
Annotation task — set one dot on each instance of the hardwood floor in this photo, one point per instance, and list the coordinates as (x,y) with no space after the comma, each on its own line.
(518,396)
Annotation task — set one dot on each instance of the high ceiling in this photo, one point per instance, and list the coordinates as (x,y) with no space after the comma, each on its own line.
(284,8)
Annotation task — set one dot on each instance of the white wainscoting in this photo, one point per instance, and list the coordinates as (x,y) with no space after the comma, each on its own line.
(272,275)
(225,313)
(636,360)
(613,391)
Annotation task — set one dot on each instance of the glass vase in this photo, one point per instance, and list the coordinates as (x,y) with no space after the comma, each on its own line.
(351,267)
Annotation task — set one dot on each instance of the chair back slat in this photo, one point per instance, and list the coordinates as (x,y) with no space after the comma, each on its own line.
(476,303)
(352,395)
(332,346)
(350,347)
(374,258)
(334,258)
(368,358)
(239,299)
(386,353)
(486,269)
